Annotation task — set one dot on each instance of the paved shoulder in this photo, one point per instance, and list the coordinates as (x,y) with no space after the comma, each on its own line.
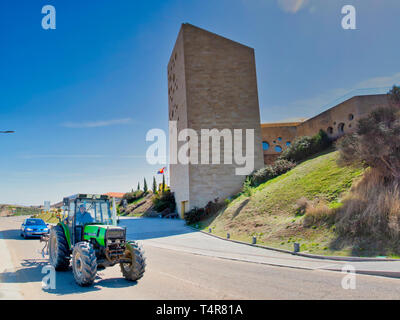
(8,290)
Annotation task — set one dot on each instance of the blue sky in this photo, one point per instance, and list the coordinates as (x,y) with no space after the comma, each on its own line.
(82,97)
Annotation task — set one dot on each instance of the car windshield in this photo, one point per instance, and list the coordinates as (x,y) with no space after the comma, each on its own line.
(35,222)
(99,211)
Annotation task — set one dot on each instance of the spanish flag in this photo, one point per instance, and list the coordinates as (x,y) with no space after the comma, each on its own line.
(161,171)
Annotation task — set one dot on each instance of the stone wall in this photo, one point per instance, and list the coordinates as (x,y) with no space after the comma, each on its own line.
(335,121)
(277,136)
(177,110)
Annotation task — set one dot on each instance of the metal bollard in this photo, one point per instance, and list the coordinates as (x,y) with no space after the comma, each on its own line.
(209,230)
(228,236)
(254,240)
(296,247)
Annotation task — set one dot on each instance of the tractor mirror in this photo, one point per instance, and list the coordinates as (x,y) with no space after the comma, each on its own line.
(66,202)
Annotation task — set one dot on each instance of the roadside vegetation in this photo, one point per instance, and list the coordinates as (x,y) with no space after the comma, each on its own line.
(148,203)
(9,210)
(370,216)
(48,217)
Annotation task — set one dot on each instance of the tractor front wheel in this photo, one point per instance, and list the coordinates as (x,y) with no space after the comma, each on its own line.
(58,248)
(84,263)
(134,270)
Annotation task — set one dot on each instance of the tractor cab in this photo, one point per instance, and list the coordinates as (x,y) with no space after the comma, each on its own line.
(86,209)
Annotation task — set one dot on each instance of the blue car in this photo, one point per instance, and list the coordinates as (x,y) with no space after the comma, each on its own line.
(34,228)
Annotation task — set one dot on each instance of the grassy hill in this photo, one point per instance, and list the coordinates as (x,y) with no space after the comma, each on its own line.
(141,207)
(48,217)
(10,210)
(271,213)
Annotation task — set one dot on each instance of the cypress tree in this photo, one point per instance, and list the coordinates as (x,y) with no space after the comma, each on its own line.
(154,185)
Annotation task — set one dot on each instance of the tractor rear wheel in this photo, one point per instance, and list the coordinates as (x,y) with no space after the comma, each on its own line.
(84,263)
(58,249)
(134,270)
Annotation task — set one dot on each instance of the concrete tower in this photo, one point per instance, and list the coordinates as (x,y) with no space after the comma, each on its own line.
(212,84)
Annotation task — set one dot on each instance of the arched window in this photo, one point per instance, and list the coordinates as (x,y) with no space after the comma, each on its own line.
(279,139)
(278,148)
(265,145)
(330,130)
(341,127)
(288,144)
(351,116)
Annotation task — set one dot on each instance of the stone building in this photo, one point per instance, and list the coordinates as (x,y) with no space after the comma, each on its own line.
(335,122)
(212,84)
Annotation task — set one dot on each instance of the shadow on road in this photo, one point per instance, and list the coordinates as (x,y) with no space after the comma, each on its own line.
(31,272)
(13,234)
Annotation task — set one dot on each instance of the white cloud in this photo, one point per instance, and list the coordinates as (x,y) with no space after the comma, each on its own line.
(314,105)
(96,124)
(292,6)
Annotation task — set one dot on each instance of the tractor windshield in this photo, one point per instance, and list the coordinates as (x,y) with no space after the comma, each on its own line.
(99,211)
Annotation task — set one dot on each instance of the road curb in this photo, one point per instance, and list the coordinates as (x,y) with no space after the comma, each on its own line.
(306,255)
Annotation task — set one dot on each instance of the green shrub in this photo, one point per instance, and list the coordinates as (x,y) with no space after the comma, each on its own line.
(133,196)
(195,215)
(303,147)
(247,189)
(268,172)
(200,214)
(376,143)
(164,200)
(282,166)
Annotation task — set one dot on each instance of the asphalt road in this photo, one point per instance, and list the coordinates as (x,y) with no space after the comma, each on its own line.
(179,266)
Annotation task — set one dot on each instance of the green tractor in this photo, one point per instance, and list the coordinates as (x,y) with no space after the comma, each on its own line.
(89,236)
